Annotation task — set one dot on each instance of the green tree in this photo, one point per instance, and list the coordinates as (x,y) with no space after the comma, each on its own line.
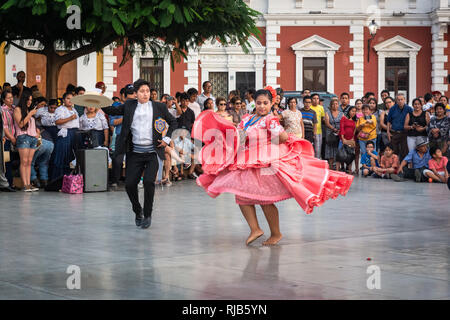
(165,27)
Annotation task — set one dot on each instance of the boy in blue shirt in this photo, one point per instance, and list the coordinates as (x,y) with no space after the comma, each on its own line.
(369,160)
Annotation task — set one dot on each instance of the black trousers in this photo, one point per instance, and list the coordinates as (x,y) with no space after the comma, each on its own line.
(117,165)
(410,173)
(138,163)
(400,144)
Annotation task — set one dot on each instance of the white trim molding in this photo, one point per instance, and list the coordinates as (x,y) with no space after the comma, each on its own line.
(214,57)
(438,57)
(314,46)
(149,54)
(272,44)
(108,70)
(357,73)
(398,47)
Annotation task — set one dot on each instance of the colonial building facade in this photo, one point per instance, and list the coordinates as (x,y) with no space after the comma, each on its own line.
(322,45)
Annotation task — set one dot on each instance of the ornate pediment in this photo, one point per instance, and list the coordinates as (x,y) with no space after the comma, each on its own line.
(315,43)
(397,43)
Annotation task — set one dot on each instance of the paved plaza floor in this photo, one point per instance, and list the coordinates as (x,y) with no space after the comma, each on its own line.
(195,247)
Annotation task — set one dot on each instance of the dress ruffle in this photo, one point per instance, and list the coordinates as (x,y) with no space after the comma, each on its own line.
(278,173)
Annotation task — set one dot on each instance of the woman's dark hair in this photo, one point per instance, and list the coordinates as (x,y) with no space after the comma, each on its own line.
(65,95)
(53,102)
(205,103)
(433,150)
(4,93)
(263,92)
(389,145)
(78,89)
(235,98)
(439,104)
(192,91)
(373,99)
(70,88)
(390,98)
(39,100)
(219,99)
(184,96)
(416,99)
(290,99)
(357,101)
(348,113)
(23,106)
(446,98)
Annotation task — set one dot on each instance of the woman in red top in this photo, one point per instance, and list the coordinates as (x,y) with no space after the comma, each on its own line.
(347,132)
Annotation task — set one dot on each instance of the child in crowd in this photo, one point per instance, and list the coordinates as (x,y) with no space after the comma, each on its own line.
(437,166)
(389,164)
(369,160)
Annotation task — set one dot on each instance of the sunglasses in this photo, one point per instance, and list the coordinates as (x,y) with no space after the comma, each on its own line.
(222,104)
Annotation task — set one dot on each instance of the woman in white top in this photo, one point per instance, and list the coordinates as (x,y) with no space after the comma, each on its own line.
(292,119)
(66,119)
(95,121)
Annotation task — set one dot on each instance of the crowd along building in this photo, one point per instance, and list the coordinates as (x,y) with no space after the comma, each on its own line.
(322,45)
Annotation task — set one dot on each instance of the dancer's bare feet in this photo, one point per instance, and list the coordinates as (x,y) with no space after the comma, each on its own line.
(273,240)
(254,235)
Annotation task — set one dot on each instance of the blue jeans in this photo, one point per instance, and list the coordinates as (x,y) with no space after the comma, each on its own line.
(41,158)
(362,145)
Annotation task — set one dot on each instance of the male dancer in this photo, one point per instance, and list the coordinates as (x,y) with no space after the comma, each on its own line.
(143,123)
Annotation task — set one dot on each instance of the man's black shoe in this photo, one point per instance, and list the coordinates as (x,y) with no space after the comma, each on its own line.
(146,222)
(138,220)
(7,189)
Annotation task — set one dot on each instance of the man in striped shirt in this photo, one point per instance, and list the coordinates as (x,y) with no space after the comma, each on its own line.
(309,119)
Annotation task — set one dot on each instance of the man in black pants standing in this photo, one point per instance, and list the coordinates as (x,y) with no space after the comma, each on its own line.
(141,139)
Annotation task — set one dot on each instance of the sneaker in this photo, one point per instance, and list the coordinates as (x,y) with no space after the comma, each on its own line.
(141,184)
(33,188)
(114,185)
(27,189)
(36,183)
(397,178)
(418,175)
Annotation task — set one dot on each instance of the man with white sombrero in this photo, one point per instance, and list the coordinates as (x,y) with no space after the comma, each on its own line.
(143,124)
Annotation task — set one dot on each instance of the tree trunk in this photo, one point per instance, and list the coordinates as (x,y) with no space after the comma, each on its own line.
(54,65)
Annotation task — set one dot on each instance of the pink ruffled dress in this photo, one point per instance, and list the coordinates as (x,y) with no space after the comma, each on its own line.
(259,171)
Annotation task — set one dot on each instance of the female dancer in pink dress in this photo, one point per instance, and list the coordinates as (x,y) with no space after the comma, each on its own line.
(261,164)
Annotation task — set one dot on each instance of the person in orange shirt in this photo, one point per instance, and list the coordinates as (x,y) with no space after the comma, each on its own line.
(366,127)
(389,164)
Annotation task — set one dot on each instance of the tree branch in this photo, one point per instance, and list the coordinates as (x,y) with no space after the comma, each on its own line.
(25,49)
(85,50)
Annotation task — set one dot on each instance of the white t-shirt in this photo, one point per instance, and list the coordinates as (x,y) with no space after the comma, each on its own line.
(194,106)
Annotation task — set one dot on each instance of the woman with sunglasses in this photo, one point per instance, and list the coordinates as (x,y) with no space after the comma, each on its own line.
(262,164)
(221,104)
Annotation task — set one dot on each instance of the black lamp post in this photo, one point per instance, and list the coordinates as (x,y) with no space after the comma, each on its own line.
(373,31)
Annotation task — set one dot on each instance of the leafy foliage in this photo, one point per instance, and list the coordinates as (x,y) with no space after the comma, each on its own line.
(167,26)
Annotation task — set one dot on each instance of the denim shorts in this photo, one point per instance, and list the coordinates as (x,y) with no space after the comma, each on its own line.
(25,141)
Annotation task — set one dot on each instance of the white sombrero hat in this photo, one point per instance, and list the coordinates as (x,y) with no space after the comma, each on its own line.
(92,99)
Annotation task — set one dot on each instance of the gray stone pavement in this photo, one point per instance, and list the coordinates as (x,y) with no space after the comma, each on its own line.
(195,247)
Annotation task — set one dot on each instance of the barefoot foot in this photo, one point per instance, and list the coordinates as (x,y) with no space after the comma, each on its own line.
(273,240)
(253,236)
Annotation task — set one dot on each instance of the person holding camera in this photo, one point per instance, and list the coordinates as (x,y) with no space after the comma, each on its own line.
(26,137)
(416,124)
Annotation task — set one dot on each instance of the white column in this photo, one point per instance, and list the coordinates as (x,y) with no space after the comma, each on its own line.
(272,72)
(330,71)
(87,73)
(438,58)
(357,73)
(298,71)
(412,75)
(108,71)
(382,71)
(192,71)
